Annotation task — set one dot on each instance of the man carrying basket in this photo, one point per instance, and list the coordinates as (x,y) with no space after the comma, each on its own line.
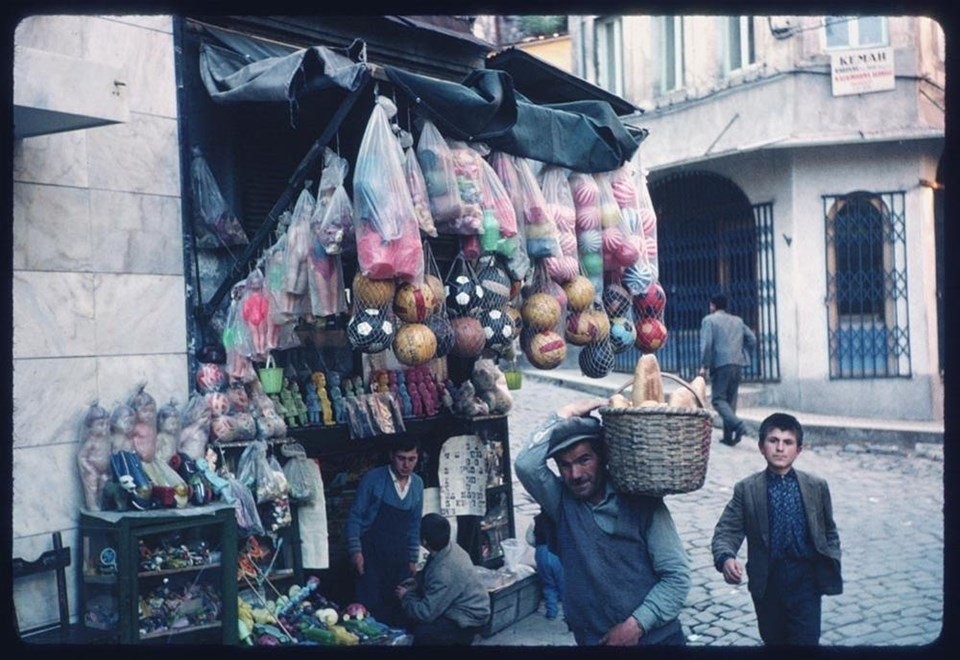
(626,574)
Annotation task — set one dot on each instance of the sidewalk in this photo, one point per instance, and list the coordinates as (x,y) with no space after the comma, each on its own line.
(873,433)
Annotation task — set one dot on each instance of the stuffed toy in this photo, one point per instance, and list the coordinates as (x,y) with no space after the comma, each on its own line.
(465,401)
(491,386)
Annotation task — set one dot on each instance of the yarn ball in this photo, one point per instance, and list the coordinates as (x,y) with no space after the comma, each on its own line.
(497,328)
(373,293)
(586,327)
(547,349)
(623,333)
(616,299)
(495,284)
(580,292)
(370,331)
(651,335)
(470,339)
(541,311)
(443,332)
(464,295)
(542,246)
(414,344)
(652,302)
(596,360)
(412,303)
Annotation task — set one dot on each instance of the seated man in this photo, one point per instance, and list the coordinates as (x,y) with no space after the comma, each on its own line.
(446,601)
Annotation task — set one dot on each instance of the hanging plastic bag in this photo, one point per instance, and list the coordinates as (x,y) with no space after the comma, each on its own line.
(639,275)
(556,194)
(418,192)
(298,244)
(302,473)
(619,251)
(388,236)
(438,173)
(518,261)
(540,228)
(332,213)
(466,167)
(214,221)
(236,337)
(586,204)
(245,507)
(648,219)
(337,214)
(255,310)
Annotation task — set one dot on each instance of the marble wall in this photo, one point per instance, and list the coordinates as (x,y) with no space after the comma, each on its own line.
(98,286)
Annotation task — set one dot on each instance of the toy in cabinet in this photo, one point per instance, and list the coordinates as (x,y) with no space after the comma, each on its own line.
(160,577)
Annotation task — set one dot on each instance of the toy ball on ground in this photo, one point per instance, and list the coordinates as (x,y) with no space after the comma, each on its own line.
(464,295)
(547,349)
(497,328)
(596,360)
(414,344)
(587,327)
(470,339)
(623,333)
(541,311)
(495,284)
(651,335)
(580,292)
(436,285)
(412,303)
(373,293)
(616,299)
(370,331)
(652,302)
(442,330)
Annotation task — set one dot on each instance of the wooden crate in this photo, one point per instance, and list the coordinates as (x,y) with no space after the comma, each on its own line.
(511,603)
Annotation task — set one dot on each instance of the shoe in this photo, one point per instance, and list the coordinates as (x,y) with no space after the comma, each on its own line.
(738,434)
(728,441)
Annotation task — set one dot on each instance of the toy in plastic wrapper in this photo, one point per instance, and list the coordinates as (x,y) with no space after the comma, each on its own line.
(93,456)
(418,192)
(436,162)
(255,309)
(214,221)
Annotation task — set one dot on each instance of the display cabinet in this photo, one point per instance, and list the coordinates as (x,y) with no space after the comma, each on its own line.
(160,577)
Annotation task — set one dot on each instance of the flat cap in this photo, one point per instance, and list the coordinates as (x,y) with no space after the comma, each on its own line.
(572,430)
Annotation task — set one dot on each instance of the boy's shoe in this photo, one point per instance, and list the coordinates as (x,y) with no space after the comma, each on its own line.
(551,614)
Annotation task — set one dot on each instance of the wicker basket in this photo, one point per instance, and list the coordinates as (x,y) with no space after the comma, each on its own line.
(271,376)
(657,451)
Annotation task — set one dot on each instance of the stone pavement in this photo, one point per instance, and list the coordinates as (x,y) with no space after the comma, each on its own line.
(888,504)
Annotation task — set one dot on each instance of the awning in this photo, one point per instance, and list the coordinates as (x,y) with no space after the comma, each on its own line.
(584,135)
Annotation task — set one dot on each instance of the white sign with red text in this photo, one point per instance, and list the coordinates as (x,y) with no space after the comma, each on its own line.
(862,71)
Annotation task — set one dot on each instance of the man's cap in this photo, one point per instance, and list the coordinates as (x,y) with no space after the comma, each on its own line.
(570,431)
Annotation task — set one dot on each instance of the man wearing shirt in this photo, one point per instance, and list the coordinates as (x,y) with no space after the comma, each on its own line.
(383,531)
(793,548)
(626,574)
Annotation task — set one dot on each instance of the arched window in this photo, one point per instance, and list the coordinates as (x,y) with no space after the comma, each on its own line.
(867,285)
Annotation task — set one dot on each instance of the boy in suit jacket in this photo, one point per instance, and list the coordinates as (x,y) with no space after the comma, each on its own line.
(793,548)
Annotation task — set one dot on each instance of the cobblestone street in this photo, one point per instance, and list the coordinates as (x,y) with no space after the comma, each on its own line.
(889,511)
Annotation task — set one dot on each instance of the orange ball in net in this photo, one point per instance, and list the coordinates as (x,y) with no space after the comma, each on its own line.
(414,344)
(412,303)
(541,311)
(547,349)
(580,293)
(373,293)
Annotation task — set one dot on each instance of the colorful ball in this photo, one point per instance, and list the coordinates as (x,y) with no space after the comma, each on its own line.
(414,344)
(616,299)
(370,331)
(588,217)
(623,333)
(637,278)
(412,303)
(541,311)
(589,241)
(587,327)
(373,293)
(652,302)
(464,295)
(546,350)
(609,215)
(651,335)
(580,292)
(596,360)
(497,328)
(495,284)
(563,269)
(592,264)
(439,293)
(442,330)
(470,339)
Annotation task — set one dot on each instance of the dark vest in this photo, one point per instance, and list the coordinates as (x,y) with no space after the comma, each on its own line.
(606,575)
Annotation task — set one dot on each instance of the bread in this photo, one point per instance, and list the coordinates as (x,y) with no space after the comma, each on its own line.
(699,386)
(647,384)
(620,401)
(682,398)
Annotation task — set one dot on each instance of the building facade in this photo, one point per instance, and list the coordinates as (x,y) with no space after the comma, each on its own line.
(795,163)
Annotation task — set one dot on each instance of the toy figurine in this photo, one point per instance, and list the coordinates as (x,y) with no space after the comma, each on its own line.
(94,455)
(298,403)
(256,311)
(313,404)
(290,411)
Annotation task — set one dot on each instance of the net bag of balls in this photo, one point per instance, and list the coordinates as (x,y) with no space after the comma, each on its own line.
(656,449)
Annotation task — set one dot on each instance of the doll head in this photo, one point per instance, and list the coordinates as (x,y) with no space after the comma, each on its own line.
(168,419)
(144,404)
(122,421)
(97,420)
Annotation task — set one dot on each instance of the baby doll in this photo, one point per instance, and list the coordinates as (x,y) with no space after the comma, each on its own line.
(145,426)
(94,455)
(256,312)
(125,463)
(169,426)
(196,427)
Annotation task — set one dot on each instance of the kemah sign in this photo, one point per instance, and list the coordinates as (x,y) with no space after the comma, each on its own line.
(862,71)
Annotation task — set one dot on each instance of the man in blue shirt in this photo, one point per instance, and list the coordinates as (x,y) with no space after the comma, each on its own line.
(626,574)
(793,548)
(383,531)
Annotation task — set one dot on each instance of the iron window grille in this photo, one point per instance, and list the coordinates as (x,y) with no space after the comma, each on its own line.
(866,262)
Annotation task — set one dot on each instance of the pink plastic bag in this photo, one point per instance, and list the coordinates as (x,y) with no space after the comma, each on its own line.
(556,194)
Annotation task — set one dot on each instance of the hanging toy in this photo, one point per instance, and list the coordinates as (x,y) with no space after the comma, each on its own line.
(255,309)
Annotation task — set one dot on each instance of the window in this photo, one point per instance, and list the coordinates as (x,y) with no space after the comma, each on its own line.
(867,285)
(609,42)
(672,53)
(741,45)
(855,31)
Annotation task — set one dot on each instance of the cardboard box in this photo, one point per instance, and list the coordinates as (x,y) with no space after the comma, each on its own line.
(511,603)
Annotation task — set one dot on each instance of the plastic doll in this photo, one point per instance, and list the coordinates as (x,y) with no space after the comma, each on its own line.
(125,464)
(313,404)
(94,455)
(145,425)
(169,426)
(256,311)
(196,428)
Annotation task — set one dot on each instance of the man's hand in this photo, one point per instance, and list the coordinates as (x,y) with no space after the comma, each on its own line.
(580,408)
(732,571)
(401,591)
(357,560)
(413,568)
(626,633)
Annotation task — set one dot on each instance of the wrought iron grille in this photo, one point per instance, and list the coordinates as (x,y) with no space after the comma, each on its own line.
(867,320)
(712,240)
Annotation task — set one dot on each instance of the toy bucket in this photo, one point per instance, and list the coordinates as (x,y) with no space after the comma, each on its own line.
(271,376)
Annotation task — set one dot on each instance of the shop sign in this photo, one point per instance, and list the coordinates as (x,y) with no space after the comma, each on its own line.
(862,71)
